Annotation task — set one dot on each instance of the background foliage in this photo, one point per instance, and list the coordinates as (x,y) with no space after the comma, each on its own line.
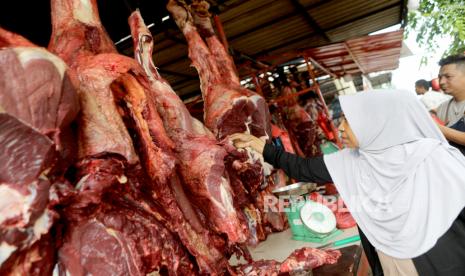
(436,19)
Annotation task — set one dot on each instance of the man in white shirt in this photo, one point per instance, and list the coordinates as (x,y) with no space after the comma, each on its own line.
(431,99)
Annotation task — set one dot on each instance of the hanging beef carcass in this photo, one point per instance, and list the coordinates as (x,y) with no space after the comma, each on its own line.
(229,108)
(301,125)
(115,98)
(37,105)
(201,159)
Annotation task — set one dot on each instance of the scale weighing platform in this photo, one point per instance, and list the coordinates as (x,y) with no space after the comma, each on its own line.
(309,221)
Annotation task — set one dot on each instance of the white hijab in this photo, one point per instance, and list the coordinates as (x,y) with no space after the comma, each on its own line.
(404,185)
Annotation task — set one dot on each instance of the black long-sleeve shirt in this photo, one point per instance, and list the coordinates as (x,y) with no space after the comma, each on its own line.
(301,169)
(314,170)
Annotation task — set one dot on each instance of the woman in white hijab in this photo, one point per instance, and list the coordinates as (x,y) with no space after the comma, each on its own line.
(401,180)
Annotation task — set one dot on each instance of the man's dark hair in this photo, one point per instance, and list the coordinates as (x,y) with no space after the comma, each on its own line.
(423,83)
(458,60)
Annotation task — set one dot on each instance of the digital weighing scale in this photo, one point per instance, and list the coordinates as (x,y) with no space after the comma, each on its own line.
(309,221)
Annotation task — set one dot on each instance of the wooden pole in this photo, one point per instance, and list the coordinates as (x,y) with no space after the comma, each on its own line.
(220,30)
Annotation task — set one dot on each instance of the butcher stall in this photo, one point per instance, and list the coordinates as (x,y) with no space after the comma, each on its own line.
(114,126)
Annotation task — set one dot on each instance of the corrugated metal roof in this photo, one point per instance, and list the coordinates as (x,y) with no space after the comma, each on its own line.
(378,52)
(328,16)
(254,28)
(361,55)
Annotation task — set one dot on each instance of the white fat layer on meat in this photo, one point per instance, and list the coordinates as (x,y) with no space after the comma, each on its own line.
(226,195)
(226,203)
(28,54)
(81,181)
(247,123)
(15,204)
(12,143)
(144,57)
(200,128)
(122,179)
(84,12)
(111,232)
(254,99)
(56,271)
(5,251)
(42,225)
(255,156)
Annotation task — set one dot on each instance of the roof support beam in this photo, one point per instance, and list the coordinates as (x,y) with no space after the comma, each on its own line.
(324,69)
(241,55)
(354,58)
(311,22)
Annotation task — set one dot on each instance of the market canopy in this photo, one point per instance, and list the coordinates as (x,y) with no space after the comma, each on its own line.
(254,29)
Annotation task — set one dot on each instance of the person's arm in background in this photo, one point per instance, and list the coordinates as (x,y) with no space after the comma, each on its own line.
(301,169)
(453,135)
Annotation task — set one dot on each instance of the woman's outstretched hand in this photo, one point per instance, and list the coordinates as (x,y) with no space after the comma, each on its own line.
(242,140)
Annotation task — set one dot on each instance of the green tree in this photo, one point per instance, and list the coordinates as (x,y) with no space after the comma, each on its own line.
(436,19)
